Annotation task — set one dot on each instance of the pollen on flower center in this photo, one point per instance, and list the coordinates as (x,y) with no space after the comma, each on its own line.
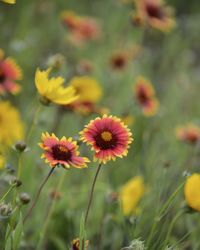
(106,140)
(106,136)
(61,152)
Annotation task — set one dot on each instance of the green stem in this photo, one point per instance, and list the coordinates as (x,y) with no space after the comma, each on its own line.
(38,194)
(160,215)
(4,196)
(50,213)
(91,194)
(178,215)
(90,202)
(19,169)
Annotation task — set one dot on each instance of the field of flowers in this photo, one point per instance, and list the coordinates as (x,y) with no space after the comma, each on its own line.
(99,125)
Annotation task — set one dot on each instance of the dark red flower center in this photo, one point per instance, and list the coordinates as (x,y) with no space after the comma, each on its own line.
(142,96)
(118,62)
(61,153)
(106,140)
(154,10)
(192,137)
(2,76)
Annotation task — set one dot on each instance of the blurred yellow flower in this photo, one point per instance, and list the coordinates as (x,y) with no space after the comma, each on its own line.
(2,161)
(9,1)
(88,89)
(192,191)
(11,127)
(130,195)
(128,119)
(52,90)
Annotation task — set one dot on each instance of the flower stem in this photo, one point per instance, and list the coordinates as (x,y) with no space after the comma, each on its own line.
(50,213)
(19,169)
(91,194)
(4,196)
(38,194)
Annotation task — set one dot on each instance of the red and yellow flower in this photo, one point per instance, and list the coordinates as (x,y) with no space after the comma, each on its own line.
(81,28)
(154,13)
(108,137)
(62,152)
(189,133)
(145,96)
(10,72)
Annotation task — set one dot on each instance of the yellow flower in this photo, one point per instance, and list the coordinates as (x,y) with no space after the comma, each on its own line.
(192,191)
(130,195)
(52,90)
(9,1)
(2,161)
(128,119)
(88,89)
(11,127)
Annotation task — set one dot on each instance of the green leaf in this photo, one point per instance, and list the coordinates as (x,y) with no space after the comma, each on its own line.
(18,233)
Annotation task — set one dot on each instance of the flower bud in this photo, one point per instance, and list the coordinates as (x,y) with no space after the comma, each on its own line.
(15,182)
(20,146)
(5,209)
(24,198)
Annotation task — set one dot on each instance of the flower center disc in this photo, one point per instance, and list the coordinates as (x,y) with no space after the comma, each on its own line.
(61,152)
(142,96)
(106,136)
(154,11)
(2,76)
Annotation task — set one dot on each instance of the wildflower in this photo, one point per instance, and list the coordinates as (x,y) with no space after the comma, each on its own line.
(76,244)
(89,92)
(145,96)
(189,133)
(192,191)
(9,1)
(108,136)
(82,29)
(11,127)
(62,152)
(155,14)
(119,61)
(130,195)
(52,90)
(88,89)
(10,72)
